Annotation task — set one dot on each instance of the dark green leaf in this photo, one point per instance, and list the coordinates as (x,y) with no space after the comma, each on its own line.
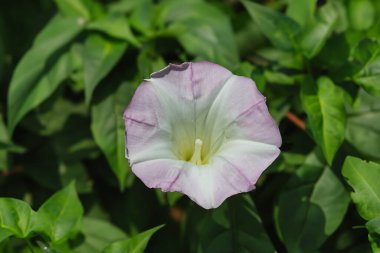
(61,215)
(148,62)
(4,142)
(326,116)
(363,178)
(100,56)
(363,126)
(16,217)
(202,30)
(135,244)
(369,76)
(234,227)
(108,129)
(278,28)
(364,66)
(4,235)
(373,227)
(311,207)
(75,171)
(29,85)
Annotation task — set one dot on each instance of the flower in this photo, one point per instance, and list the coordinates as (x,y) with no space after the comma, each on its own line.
(198,129)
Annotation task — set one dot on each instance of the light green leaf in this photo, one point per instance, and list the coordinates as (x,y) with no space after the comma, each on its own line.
(278,78)
(16,217)
(116,26)
(203,30)
(302,11)
(361,14)
(98,235)
(76,8)
(135,244)
(100,56)
(29,85)
(278,28)
(61,215)
(108,129)
(318,31)
(311,207)
(326,116)
(363,178)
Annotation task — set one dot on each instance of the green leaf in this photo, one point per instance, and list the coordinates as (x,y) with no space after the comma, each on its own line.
(29,85)
(52,118)
(143,16)
(357,9)
(235,226)
(311,207)
(203,30)
(366,70)
(75,171)
(61,215)
(278,28)
(108,129)
(148,62)
(16,217)
(363,126)
(302,11)
(278,78)
(318,31)
(116,26)
(373,227)
(363,178)
(76,8)
(326,116)
(135,244)
(98,235)
(4,235)
(100,55)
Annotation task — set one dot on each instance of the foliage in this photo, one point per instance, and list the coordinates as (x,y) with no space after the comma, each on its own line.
(68,69)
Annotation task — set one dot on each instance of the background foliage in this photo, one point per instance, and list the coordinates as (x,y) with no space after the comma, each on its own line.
(68,69)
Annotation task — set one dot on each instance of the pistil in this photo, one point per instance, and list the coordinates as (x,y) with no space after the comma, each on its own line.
(196,158)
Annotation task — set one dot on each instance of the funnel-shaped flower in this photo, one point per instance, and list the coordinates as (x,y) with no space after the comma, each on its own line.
(198,129)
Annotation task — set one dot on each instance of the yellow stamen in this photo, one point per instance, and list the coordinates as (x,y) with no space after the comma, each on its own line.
(196,158)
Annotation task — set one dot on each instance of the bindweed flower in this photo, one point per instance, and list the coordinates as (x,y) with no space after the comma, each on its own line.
(198,129)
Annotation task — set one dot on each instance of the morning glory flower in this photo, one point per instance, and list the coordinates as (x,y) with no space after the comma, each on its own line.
(198,129)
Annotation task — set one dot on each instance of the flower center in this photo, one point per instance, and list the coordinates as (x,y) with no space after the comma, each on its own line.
(196,158)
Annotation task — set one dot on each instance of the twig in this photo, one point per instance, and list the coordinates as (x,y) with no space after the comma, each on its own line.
(294,119)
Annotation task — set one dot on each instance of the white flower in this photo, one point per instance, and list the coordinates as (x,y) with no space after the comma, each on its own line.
(198,129)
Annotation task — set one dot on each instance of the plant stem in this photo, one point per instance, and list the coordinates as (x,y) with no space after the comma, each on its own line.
(297,121)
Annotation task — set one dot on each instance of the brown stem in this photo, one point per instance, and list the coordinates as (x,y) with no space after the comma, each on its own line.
(297,121)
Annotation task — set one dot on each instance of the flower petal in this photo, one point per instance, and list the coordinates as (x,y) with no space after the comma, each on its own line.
(235,169)
(238,99)
(256,124)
